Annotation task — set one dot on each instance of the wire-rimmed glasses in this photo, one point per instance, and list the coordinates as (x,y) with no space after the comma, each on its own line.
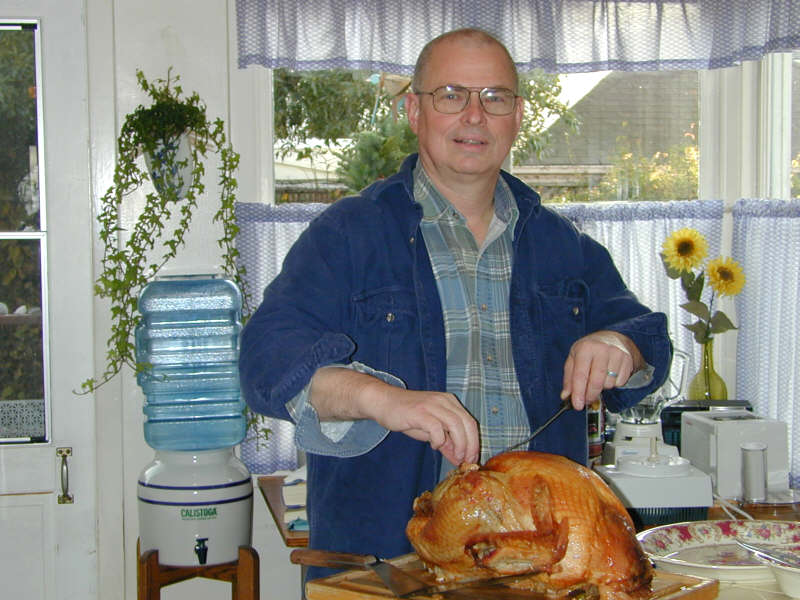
(452,99)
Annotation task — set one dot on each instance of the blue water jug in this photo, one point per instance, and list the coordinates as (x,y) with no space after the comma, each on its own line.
(189,334)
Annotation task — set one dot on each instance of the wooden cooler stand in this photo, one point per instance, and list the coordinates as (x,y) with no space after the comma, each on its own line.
(241,573)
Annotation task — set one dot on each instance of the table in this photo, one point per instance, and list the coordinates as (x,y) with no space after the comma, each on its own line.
(271,490)
(751,591)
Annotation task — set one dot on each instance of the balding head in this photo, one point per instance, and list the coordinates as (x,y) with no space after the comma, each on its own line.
(469,36)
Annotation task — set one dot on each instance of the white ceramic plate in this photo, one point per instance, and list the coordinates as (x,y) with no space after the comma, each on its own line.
(709,549)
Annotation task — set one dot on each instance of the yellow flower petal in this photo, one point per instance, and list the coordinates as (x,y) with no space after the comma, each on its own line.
(725,276)
(685,249)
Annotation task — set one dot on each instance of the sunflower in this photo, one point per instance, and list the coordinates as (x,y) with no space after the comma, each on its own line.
(685,249)
(725,276)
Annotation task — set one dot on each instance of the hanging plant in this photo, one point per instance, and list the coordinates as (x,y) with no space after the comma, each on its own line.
(176,136)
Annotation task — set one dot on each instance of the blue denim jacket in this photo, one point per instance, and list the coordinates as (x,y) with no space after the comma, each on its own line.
(358,286)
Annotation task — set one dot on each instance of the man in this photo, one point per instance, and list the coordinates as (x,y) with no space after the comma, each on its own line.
(441,315)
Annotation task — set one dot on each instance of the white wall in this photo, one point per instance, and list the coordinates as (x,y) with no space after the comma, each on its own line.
(194,38)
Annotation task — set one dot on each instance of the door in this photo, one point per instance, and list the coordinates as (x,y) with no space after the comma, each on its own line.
(47,432)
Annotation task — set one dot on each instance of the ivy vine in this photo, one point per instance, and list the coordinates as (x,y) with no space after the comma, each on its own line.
(155,131)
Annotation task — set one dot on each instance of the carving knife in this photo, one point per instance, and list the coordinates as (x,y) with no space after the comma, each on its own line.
(398,581)
(565,406)
(403,584)
(781,556)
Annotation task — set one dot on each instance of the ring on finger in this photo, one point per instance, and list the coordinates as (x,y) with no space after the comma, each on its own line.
(613,374)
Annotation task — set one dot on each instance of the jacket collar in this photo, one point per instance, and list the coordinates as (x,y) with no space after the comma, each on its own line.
(528,201)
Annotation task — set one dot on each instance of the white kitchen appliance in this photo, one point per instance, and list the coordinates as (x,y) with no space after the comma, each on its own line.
(659,489)
(638,425)
(652,480)
(712,441)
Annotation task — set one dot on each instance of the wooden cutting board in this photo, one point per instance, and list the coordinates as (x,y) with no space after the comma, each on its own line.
(366,585)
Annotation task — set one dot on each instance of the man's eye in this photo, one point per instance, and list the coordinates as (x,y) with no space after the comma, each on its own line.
(496,97)
(452,96)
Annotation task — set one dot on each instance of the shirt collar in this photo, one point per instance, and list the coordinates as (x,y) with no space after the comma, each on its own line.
(435,206)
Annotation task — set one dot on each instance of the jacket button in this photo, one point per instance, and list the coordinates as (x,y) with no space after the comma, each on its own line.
(389,317)
(576,310)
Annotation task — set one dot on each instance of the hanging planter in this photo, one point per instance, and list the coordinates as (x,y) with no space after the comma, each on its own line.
(175,137)
(170,166)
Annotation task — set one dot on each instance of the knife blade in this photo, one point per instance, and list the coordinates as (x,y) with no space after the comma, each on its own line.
(565,406)
(778,555)
(398,581)
(403,584)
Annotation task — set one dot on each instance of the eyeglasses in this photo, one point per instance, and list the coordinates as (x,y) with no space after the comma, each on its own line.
(452,99)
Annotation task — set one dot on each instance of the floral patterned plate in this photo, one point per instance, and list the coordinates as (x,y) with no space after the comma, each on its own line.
(709,549)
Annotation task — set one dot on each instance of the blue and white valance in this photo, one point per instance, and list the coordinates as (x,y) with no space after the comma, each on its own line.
(558,36)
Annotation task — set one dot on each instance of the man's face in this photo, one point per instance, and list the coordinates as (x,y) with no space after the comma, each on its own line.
(471,144)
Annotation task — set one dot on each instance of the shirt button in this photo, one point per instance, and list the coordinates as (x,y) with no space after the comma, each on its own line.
(489,357)
(495,410)
(389,317)
(484,307)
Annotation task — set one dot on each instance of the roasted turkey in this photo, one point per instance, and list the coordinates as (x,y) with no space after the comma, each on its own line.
(530,513)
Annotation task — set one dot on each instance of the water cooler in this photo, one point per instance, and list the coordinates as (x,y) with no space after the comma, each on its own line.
(196,496)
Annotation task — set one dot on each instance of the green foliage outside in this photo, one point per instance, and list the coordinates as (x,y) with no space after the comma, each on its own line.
(345,107)
(376,153)
(319,105)
(542,106)
(669,175)
(20,276)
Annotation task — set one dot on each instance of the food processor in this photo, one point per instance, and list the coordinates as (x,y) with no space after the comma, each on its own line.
(652,480)
(638,425)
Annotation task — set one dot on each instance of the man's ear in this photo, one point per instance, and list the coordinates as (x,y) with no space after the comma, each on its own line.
(519,109)
(412,110)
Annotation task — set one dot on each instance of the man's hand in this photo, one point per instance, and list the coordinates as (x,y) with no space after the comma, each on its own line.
(599,361)
(434,417)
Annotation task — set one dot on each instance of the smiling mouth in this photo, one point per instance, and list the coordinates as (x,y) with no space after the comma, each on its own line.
(470,142)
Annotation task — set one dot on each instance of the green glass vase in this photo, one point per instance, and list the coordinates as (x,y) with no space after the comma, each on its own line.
(707,384)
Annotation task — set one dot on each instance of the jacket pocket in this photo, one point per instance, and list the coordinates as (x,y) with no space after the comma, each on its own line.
(385,326)
(562,315)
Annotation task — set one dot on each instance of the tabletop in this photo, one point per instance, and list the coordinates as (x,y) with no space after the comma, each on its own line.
(751,591)
(271,486)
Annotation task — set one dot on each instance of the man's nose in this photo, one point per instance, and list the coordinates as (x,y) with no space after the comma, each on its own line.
(474,111)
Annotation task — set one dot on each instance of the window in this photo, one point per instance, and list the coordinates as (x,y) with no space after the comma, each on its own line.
(591,136)
(22,239)
(635,139)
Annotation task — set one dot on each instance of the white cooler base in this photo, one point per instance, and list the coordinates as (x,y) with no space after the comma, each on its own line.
(195,507)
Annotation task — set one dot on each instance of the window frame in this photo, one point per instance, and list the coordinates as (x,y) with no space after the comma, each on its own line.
(40,235)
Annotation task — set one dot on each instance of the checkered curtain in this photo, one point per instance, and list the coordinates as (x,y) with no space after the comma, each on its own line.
(265,235)
(633,233)
(768,351)
(558,36)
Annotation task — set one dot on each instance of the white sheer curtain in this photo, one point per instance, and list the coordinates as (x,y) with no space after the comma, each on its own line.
(265,235)
(559,36)
(633,232)
(766,241)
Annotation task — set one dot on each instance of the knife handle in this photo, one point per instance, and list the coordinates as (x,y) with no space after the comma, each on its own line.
(328,558)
